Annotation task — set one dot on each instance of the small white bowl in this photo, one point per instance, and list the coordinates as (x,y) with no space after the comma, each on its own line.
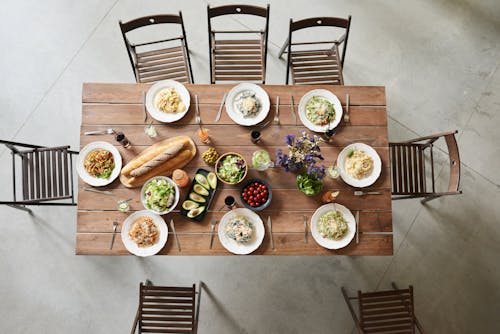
(176,196)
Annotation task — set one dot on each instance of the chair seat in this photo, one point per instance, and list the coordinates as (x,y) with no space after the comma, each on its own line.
(161,64)
(239,60)
(316,67)
(407,168)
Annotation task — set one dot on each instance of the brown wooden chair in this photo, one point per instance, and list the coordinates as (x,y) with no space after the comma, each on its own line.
(238,59)
(408,167)
(46,175)
(166,309)
(316,62)
(389,311)
(169,61)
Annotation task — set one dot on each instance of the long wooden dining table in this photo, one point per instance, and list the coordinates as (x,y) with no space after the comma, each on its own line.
(120,106)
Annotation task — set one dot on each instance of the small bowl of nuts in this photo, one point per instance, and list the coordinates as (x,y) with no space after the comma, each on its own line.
(210,156)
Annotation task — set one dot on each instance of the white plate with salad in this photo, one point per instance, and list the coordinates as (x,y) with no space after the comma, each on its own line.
(99,163)
(167,101)
(247,104)
(359,165)
(333,226)
(320,110)
(144,233)
(160,195)
(241,231)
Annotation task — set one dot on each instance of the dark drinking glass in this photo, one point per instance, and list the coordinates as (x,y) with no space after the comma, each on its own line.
(120,137)
(255,136)
(230,202)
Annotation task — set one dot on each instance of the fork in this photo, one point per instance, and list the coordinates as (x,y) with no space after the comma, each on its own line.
(212,229)
(198,118)
(144,106)
(270,226)
(293,110)
(346,115)
(115,225)
(361,193)
(357,226)
(108,131)
(277,115)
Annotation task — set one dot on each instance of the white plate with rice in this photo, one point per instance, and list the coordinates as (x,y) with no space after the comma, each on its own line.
(241,248)
(241,98)
(333,243)
(353,166)
(154,101)
(148,250)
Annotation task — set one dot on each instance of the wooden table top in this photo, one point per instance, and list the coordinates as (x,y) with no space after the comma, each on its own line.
(120,106)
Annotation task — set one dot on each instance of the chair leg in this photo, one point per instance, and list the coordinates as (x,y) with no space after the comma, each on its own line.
(351,309)
(282,50)
(21,207)
(148,282)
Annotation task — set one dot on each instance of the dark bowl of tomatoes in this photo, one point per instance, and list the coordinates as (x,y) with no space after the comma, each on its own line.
(256,194)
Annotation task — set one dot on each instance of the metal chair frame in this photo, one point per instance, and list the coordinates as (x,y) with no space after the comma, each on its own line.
(164,71)
(42,172)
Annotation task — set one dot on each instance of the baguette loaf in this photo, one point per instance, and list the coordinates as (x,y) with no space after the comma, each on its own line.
(161,158)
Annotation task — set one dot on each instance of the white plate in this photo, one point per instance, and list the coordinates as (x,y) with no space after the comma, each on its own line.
(367,181)
(164,116)
(94,181)
(144,251)
(330,97)
(329,243)
(176,199)
(233,112)
(242,248)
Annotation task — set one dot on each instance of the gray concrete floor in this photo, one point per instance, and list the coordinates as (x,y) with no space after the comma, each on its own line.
(439,61)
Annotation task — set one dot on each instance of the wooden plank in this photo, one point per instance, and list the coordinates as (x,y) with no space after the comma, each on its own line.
(194,244)
(133,114)
(132,93)
(283,222)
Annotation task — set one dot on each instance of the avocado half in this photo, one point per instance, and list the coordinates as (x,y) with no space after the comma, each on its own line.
(196,212)
(189,205)
(202,180)
(200,190)
(212,180)
(197,198)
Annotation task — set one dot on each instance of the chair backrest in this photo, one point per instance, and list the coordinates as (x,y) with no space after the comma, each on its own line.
(387,311)
(154,20)
(213,12)
(166,309)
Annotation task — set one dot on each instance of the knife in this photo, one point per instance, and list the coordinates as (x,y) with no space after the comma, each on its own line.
(270,225)
(357,226)
(217,118)
(305,229)
(212,229)
(293,110)
(172,226)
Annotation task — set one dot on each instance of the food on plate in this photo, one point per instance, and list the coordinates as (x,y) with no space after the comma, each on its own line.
(320,111)
(161,158)
(197,198)
(358,164)
(332,225)
(247,103)
(169,101)
(144,232)
(189,205)
(212,180)
(193,213)
(255,194)
(210,156)
(99,163)
(231,168)
(200,190)
(180,178)
(159,195)
(203,135)
(239,228)
(202,180)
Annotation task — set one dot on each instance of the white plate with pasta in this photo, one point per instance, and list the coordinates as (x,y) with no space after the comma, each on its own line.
(320,110)
(247,104)
(333,226)
(359,165)
(167,101)
(241,231)
(144,233)
(99,163)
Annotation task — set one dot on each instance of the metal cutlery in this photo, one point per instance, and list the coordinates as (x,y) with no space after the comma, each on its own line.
(217,118)
(346,115)
(277,115)
(109,131)
(172,226)
(357,226)
(198,118)
(144,106)
(104,192)
(305,229)
(293,110)
(361,193)
(270,226)
(212,230)
(115,226)
(265,124)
